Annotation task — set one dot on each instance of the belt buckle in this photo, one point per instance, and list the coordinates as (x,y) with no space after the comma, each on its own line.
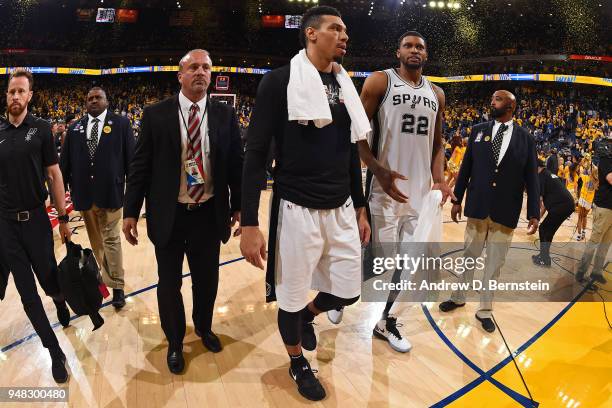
(191,206)
(23,216)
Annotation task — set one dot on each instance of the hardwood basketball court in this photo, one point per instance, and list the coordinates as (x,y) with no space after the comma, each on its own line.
(565,349)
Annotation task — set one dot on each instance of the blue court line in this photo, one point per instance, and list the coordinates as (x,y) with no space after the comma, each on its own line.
(57,324)
(524,401)
(488,375)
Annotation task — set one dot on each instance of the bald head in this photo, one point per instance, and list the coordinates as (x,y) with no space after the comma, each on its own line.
(194,74)
(508,96)
(503,104)
(191,55)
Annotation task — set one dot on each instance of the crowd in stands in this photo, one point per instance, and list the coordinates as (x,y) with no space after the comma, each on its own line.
(571,124)
(558,121)
(231,32)
(567,130)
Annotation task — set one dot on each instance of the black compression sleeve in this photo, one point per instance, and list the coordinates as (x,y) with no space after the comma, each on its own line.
(289,325)
(267,115)
(326,301)
(356,182)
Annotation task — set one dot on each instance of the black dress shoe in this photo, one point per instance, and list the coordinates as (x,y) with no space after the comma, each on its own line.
(58,365)
(487,323)
(118,298)
(198,332)
(449,305)
(598,278)
(211,342)
(176,362)
(63,314)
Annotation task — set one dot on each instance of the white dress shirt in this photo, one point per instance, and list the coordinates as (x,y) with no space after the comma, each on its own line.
(90,123)
(185,106)
(507,135)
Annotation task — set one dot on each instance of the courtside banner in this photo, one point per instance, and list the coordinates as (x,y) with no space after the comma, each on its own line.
(604,58)
(573,79)
(438,271)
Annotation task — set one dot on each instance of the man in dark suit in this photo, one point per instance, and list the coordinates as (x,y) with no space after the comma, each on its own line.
(94,161)
(188,165)
(499,163)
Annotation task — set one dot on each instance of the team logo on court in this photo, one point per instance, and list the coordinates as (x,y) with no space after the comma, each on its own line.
(30,133)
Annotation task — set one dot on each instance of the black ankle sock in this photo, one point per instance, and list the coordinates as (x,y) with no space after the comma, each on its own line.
(307,315)
(297,361)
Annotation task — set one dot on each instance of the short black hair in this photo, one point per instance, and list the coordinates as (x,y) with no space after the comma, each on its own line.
(413,34)
(96,88)
(312,18)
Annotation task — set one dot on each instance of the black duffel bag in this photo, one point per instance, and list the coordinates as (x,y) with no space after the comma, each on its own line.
(80,281)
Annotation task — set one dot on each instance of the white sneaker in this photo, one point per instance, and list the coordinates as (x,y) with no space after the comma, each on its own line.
(387,330)
(335,315)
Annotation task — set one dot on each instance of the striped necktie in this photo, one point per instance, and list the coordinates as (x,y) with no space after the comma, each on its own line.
(194,150)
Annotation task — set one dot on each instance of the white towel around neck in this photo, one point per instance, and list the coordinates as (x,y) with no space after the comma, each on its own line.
(307,100)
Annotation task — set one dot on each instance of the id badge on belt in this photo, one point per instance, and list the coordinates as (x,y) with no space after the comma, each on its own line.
(195,173)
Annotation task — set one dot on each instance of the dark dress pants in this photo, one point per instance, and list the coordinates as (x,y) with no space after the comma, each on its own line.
(194,234)
(27,247)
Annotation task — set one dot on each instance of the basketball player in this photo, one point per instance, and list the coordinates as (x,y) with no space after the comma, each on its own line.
(318,208)
(407,153)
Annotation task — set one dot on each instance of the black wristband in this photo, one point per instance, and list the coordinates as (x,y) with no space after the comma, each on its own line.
(63,219)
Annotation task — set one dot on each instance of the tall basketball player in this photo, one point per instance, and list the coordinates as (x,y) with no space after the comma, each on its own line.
(318,212)
(407,153)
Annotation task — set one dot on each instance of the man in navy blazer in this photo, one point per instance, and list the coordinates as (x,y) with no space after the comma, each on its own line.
(500,162)
(95,159)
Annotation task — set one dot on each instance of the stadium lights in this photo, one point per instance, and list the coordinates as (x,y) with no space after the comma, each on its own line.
(451,5)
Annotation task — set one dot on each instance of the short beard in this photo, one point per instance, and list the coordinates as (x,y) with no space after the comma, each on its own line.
(18,111)
(496,113)
(413,67)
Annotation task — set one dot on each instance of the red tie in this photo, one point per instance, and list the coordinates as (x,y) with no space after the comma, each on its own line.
(194,151)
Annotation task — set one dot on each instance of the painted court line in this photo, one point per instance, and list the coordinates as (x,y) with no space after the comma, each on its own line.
(483,376)
(57,324)
(487,376)
(524,401)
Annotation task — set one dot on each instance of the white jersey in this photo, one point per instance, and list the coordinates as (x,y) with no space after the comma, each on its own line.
(403,141)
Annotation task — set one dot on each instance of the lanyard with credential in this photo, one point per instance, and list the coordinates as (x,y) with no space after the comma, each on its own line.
(199,126)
